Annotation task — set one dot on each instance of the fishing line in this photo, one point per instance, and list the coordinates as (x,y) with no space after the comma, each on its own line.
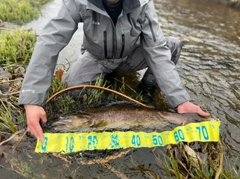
(207,131)
(96,87)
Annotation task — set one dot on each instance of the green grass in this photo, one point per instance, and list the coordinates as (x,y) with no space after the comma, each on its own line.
(16,46)
(10,117)
(20,11)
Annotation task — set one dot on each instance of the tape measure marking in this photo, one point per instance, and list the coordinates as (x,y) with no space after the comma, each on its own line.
(73,142)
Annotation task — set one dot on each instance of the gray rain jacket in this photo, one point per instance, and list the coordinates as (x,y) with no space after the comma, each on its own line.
(137,25)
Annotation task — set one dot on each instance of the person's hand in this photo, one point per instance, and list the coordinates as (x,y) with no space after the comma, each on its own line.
(188,107)
(34,115)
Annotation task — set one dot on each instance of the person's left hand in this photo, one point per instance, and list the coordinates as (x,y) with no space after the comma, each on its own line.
(188,107)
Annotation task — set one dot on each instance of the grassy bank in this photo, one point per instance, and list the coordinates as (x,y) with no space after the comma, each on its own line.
(20,11)
(16,46)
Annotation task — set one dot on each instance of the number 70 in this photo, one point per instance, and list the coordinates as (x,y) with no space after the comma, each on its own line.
(203,131)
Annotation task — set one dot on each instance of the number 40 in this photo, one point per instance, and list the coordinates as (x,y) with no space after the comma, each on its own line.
(202,131)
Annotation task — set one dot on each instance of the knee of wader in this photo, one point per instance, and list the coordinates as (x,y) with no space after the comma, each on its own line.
(173,43)
(175,46)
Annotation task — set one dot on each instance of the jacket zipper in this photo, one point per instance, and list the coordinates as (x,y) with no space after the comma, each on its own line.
(123,45)
(150,24)
(114,41)
(105,43)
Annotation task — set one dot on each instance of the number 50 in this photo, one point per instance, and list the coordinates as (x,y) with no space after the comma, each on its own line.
(203,131)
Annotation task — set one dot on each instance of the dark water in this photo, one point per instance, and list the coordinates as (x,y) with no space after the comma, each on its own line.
(210,71)
(210,60)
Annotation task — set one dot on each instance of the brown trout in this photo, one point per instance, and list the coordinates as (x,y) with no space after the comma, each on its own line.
(115,118)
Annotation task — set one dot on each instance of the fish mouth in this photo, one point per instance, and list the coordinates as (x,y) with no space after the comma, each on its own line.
(58,124)
(63,126)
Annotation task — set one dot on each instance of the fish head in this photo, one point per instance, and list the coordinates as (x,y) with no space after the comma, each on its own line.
(71,123)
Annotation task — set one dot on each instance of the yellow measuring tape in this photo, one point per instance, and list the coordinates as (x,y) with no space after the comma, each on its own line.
(73,142)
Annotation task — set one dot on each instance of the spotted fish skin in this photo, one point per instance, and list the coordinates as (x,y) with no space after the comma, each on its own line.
(118,118)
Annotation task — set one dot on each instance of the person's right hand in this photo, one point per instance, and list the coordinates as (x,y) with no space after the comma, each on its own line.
(34,114)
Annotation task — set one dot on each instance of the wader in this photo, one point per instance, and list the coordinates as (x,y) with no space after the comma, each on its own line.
(88,68)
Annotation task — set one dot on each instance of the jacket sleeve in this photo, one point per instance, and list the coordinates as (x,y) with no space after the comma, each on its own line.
(158,57)
(53,38)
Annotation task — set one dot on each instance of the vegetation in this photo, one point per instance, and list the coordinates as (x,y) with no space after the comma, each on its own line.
(10,117)
(16,46)
(20,11)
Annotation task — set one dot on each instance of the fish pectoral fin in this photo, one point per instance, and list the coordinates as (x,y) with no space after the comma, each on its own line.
(89,123)
(101,123)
